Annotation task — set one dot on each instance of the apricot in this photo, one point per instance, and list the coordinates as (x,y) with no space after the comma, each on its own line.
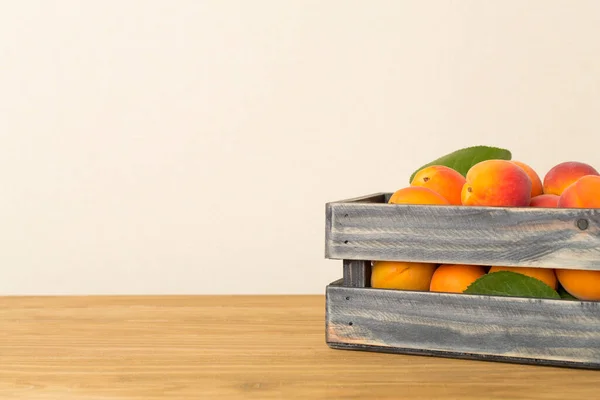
(581,284)
(443,180)
(546,275)
(536,182)
(544,200)
(564,174)
(402,275)
(455,278)
(417,195)
(583,193)
(496,183)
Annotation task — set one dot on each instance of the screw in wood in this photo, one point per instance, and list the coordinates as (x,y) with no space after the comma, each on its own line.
(582,224)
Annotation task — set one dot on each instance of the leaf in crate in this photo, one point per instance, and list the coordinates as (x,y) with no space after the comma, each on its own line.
(463,159)
(508,283)
(565,295)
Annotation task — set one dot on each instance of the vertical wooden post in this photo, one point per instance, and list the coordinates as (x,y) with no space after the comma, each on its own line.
(357,273)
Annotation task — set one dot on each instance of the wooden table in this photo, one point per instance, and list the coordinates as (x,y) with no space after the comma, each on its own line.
(231,347)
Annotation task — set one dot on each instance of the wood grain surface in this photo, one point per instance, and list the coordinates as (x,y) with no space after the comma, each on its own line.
(363,229)
(357,273)
(537,331)
(231,347)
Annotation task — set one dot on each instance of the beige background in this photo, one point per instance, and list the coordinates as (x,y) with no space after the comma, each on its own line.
(190,146)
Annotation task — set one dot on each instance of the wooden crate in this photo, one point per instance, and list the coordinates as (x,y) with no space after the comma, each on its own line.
(500,328)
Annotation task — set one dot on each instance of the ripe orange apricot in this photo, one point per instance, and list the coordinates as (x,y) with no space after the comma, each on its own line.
(544,201)
(536,182)
(497,183)
(583,193)
(417,195)
(545,275)
(455,278)
(581,284)
(442,180)
(401,275)
(564,174)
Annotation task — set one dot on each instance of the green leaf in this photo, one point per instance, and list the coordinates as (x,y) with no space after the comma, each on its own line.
(565,295)
(508,283)
(463,159)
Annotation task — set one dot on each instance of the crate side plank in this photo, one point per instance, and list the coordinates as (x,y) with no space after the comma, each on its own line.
(357,273)
(377,198)
(553,332)
(465,356)
(535,237)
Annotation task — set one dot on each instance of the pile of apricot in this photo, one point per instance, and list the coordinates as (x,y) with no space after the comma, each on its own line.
(494,183)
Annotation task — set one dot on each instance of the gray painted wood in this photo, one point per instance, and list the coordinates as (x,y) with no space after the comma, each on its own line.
(377,198)
(523,330)
(357,273)
(537,237)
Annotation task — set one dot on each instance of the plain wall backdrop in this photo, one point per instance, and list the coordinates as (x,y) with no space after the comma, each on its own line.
(152,146)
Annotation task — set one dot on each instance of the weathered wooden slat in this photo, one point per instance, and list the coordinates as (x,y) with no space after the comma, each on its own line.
(535,237)
(377,198)
(523,330)
(357,273)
